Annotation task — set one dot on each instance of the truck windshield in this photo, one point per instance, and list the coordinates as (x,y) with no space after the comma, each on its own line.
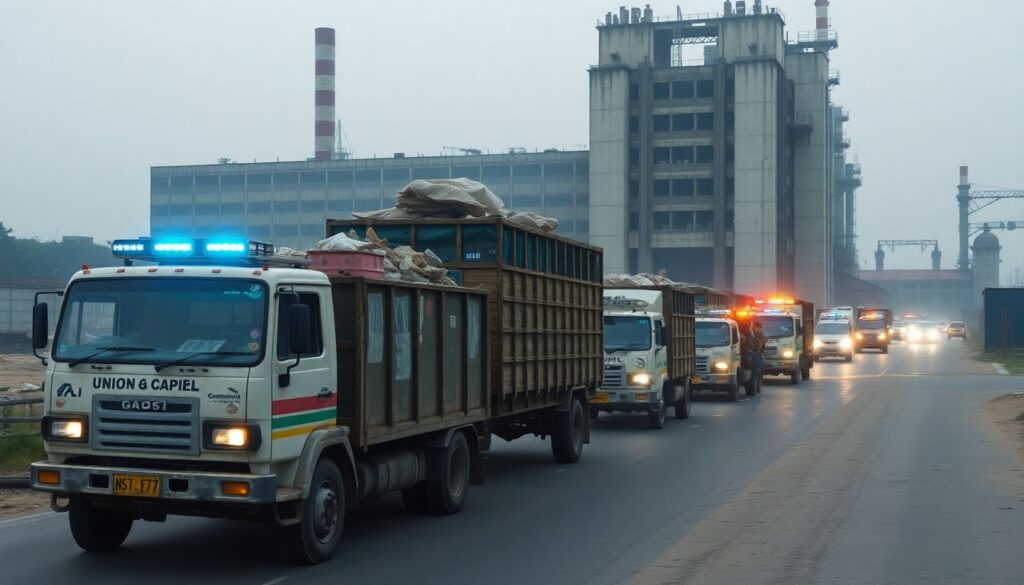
(626,333)
(711,334)
(162,320)
(776,326)
(871,324)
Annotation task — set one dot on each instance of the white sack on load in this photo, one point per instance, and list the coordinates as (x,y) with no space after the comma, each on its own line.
(389,213)
(529,219)
(626,280)
(404,263)
(658,279)
(346,243)
(449,198)
(288,252)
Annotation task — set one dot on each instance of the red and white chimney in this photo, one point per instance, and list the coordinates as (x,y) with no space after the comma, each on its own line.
(821,9)
(324,94)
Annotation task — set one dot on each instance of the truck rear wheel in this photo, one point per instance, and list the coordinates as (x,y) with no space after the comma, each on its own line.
(805,372)
(685,402)
(567,433)
(794,377)
(885,349)
(447,495)
(315,538)
(96,529)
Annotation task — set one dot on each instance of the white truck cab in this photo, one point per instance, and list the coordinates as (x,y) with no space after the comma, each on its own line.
(635,355)
(718,357)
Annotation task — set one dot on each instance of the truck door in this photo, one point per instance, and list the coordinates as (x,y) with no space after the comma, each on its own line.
(308,398)
(661,353)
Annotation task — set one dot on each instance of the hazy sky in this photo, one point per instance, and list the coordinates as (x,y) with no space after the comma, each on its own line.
(94,93)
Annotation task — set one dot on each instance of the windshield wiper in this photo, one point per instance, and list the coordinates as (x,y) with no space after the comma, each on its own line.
(103,350)
(197,354)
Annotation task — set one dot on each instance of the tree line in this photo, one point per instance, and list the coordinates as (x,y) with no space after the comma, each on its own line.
(28,257)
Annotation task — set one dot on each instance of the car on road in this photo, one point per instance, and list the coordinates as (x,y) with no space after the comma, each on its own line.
(899,330)
(833,338)
(956,329)
(923,332)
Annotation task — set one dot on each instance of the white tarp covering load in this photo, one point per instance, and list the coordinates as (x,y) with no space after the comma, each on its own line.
(346,243)
(454,198)
(642,279)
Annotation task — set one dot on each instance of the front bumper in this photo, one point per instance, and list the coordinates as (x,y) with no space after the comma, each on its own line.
(774,367)
(626,400)
(713,381)
(184,486)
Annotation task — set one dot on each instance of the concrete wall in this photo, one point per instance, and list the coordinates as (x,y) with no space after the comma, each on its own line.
(765,32)
(757,131)
(632,44)
(812,180)
(609,164)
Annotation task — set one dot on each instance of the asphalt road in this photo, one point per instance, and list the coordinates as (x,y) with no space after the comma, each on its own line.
(881,471)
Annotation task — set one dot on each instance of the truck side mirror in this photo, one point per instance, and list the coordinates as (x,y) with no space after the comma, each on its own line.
(298,329)
(40,325)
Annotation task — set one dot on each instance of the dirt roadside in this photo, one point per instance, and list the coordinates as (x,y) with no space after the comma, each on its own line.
(15,371)
(1007,415)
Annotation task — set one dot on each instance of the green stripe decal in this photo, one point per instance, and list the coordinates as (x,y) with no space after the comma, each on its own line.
(302,419)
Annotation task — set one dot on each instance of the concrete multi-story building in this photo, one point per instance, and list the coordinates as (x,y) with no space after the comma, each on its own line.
(718,171)
(847,176)
(288,203)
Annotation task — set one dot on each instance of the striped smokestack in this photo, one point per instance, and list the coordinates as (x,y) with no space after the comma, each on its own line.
(324,94)
(821,8)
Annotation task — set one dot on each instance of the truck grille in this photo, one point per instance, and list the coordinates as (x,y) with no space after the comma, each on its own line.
(771,351)
(702,365)
(126,423)
(614,377)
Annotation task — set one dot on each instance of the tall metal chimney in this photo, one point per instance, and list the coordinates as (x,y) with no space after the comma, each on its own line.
(821,8)
(879,259)
(963,199)
(323,102)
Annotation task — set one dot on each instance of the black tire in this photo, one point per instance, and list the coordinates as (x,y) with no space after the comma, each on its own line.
(750,386)
(885,349)
(315,538)
(732,393)
(817,358)
(447,495)
(567,433)
(657,417)
(760,383)
(805,372)
(415,499)
(794,378)
(683,406)
(848,358)
(96,529)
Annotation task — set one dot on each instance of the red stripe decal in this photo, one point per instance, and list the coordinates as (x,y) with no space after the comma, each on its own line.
(302,404)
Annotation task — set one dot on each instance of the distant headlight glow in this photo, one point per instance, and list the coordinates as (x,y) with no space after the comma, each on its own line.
(846,343)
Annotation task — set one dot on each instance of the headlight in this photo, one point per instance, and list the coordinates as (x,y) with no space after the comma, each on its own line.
(933,334)
(817,343)
(859,336)
(231,436)
(65,428)
(881,337)
(641,379)
(846,343)
(788,354)
(721,366)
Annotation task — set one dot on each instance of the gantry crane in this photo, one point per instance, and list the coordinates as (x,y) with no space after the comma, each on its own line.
(970,202)
(891,244)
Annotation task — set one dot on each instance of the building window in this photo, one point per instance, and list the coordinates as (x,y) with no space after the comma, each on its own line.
(661,91)
(634,220)
(472,172)
(558,170)
(682,155)
(634,92)
(682,122)
(258,207)
(730,120)
(706,88)
(730,218)
(682,220)
(662,188)
(230,208)
(634,189)
(730,153)
(634,124)
(705,220)
(730,87)
(730,187)
(662,221)
(494,172)
(286,180)
(662,123)
(396,174)
(286,206)
(339,178)
(526,171)
(682,90)
(334,205)
(634,156)
(286,231)
(705,187)
(682,188)
(706,154)
(706,121)
(662,155)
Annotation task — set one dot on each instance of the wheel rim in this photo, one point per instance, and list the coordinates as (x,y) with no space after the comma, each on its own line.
(662,410)
(325,512)
(457,474)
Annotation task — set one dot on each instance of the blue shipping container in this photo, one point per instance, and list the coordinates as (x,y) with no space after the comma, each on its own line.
(1004,318)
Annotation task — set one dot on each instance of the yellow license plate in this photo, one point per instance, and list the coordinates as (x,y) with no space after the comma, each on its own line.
(599,398)
(147,486)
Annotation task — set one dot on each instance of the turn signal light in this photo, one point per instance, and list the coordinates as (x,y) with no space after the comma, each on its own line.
(48,477)
(234,488)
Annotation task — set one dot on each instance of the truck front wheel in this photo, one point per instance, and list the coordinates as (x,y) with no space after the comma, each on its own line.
(567,433)
(447,495)
(657,416)
(96,529)
(315,538)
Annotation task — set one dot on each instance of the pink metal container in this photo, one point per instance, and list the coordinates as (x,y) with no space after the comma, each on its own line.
(345,263)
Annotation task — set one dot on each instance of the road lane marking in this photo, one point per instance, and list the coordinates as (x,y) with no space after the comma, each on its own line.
(275,581)
(25,518)
(1000,369)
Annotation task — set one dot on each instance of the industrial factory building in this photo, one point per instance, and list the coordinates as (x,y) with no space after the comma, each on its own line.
(724,170)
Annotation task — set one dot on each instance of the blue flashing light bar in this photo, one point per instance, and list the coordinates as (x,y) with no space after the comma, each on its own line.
(155,250)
